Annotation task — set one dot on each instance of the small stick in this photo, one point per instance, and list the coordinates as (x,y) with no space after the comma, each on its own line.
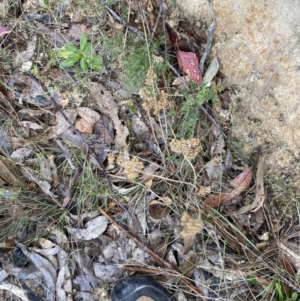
(160,15)
(154,255)
(122,21)
(211,30)
(149,270)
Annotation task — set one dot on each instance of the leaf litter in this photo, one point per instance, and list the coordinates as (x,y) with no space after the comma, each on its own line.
(171,203)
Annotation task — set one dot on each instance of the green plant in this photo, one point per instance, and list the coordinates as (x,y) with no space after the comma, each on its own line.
(190,109)
(279,291)
(136,65)
(82,55)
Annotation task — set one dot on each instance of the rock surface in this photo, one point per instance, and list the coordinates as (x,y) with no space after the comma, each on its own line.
(258,46)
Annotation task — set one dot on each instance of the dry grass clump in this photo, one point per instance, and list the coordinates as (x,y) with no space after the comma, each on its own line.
(191,226)
(190,148)
(133,168)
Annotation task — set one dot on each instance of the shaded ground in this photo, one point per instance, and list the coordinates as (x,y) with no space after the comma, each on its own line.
(109,167)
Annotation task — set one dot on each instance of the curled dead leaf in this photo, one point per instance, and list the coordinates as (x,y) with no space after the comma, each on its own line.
(240,183)
(159,210)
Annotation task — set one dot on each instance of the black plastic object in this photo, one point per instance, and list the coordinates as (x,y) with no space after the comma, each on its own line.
(135,287)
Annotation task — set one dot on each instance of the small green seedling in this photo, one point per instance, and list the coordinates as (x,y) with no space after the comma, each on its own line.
(72,55)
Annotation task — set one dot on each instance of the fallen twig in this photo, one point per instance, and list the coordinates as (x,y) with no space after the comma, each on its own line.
(122,21)
(149,270)
(211,31)
(154,255)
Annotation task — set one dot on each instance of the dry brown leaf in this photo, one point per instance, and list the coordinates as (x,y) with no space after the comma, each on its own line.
(158,210)
(31,176)
(76,29)
(46,268)
(84,126)
(287,265)
(292,250)
(27,54)
(109,107)
(188,243)
(9,173)
(139,127)
(14,290)
(93,229)
(61,123)
(45,169)
(260,195)
(104,130)
(189,265)
(88,114)
(262,280)
(243,180)
(21,154)
(148,183)
(228,274)
(211,72)
(53,168)
(241,183)
(64,283)
(64,100)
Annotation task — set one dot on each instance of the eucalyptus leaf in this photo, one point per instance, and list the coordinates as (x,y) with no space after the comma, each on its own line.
(211,72)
